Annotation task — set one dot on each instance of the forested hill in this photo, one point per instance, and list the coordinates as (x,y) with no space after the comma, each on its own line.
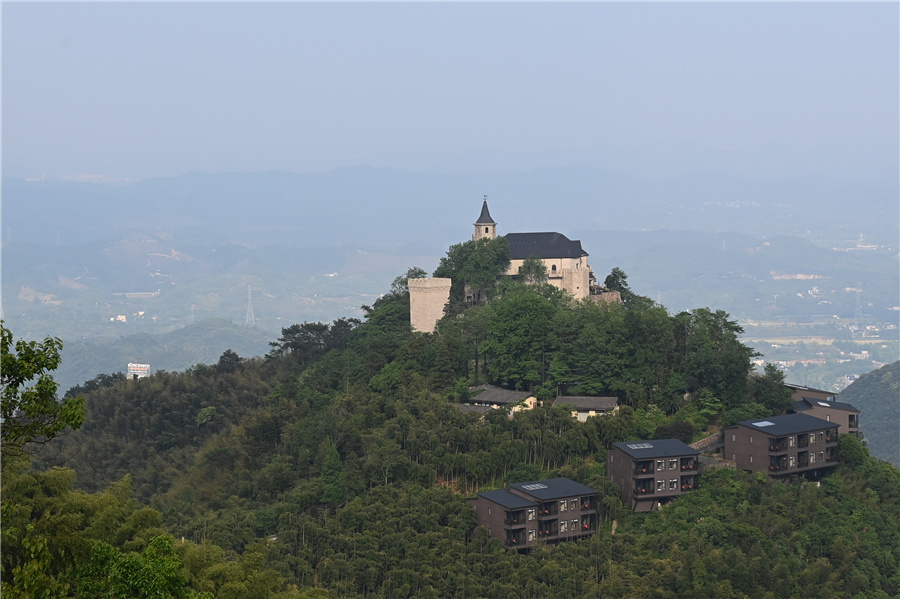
(199,343)
(877,396)
(338,465)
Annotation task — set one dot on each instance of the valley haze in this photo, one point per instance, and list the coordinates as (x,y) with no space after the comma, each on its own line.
(165,162)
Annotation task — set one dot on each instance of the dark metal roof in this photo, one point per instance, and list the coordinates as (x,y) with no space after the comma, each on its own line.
(811,389)
(543,245)
(465,408)
(552,488)
(583,402)
(657,448)
(812,402)
(787,425)
(491,394)
(507,499)
(485,218)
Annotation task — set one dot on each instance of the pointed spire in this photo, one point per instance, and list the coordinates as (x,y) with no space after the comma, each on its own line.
(485,218)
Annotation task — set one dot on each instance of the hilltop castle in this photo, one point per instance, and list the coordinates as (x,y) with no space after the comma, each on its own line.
(565,261)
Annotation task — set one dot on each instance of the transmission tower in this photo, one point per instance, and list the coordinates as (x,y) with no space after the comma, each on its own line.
(251,319)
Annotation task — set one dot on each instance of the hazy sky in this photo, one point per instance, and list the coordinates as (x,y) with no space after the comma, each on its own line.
(128,90)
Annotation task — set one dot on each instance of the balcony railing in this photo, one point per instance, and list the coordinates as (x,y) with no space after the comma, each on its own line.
(643,491)
(515,522)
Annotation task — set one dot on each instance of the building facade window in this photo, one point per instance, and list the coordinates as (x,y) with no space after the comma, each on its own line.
(792,461)
(660,485)
(530,535)
(673,484)
(661,465)
(791,441)
(575,525)
(562,526)
(531,514)
(673,464)
(563,504)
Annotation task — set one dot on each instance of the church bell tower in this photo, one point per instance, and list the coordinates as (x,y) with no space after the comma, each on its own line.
(485,227)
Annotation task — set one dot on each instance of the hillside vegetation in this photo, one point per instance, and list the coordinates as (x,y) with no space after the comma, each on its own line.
(338,467)
(877,396)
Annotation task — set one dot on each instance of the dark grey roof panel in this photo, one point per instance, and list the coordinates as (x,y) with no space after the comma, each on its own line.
(553,488)
(811,389)
(657,448)
(582,402)
(543,245)
(491,394)
(466,408)
(787,425)
(813,402)
(485,218)
(507,499)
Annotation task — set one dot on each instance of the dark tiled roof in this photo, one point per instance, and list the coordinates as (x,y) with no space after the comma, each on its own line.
(657,448)
(465,408)
(507,499)
(812,402)
(552,488)
(787,425)
(485,218)
(543,245)
(585,403)
(802,388)
(491,394)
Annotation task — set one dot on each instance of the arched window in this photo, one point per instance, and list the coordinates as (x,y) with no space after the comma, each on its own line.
(486,230)
(553,268)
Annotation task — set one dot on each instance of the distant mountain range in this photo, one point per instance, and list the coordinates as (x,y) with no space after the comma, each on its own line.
(200,343)
(88,261)
(403,210)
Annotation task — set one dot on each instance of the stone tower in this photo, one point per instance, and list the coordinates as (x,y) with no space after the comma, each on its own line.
(485,227)
(427,298)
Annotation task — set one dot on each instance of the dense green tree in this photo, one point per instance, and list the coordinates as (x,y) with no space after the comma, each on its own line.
(400,285)
(475,264)
(681,430)
(308,341)
(30,410)
(519,342)
(768,389)
(228,361)
(533,271)
(332,482)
